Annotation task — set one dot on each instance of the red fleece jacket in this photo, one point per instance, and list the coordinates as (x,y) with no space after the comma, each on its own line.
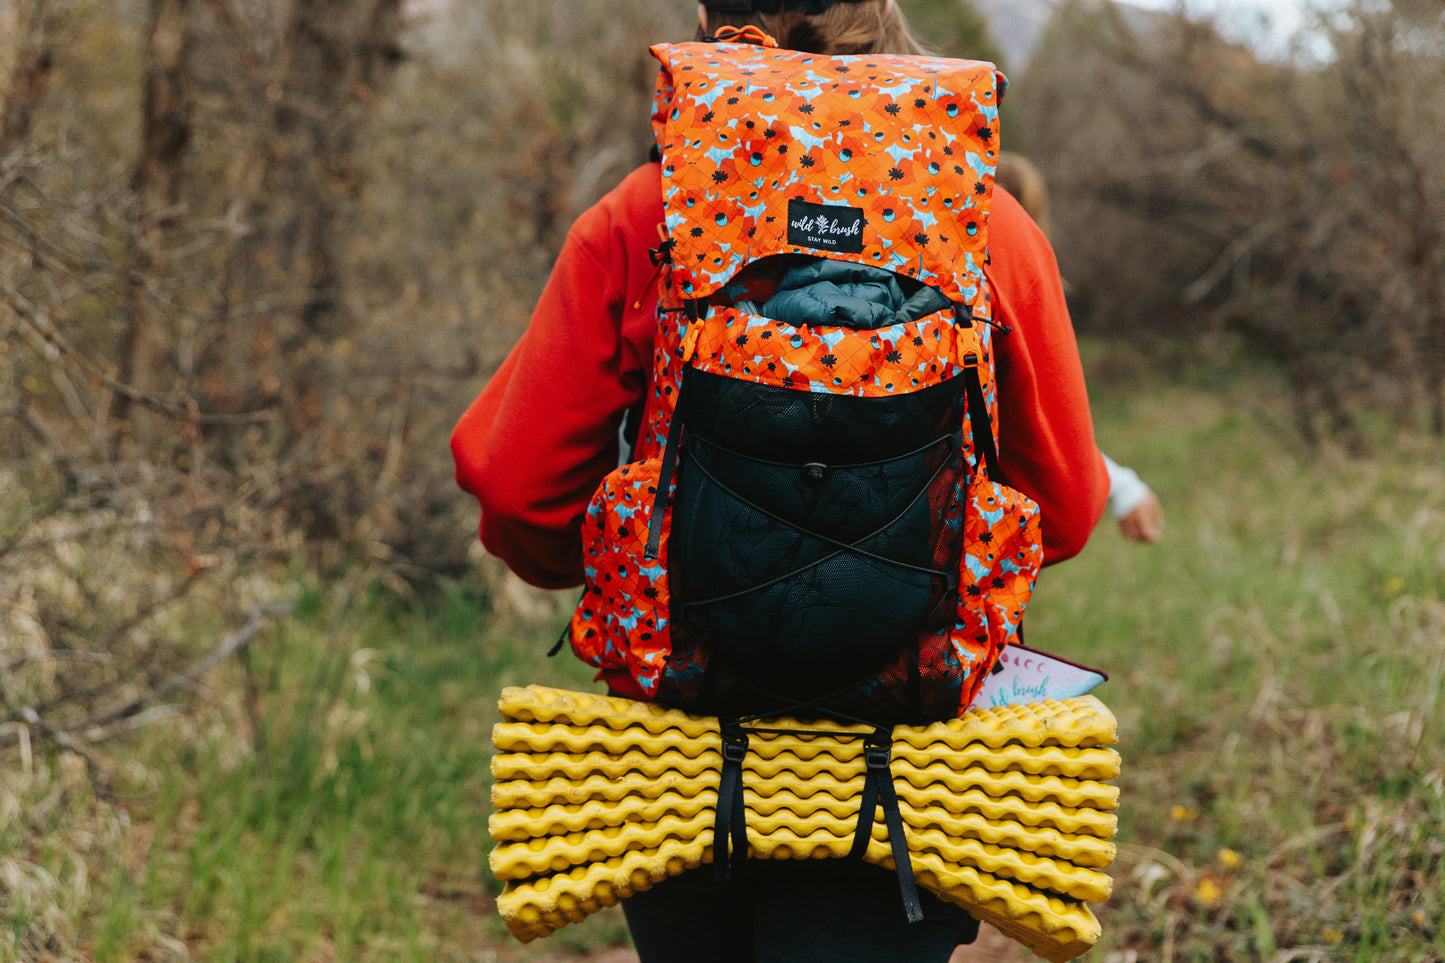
(536,443)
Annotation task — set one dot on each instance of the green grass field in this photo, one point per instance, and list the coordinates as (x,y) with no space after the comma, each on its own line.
(1275,666)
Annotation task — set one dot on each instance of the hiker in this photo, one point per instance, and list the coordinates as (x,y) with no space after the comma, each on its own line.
(1132,503)
(535,445)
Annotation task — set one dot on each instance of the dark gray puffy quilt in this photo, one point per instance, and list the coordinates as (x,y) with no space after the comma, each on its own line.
(823,292)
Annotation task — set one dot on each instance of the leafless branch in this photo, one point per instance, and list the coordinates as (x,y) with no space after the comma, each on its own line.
(1234,256)
(32,723)
(256,617)
(36,321)
(59,655)
(75,736)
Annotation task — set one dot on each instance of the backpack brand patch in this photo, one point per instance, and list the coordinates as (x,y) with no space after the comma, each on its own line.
(825,227)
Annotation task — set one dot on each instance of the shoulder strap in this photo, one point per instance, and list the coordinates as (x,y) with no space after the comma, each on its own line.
(984,448)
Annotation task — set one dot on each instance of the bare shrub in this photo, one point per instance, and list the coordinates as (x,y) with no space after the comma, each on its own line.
(508,120)
(1201,191)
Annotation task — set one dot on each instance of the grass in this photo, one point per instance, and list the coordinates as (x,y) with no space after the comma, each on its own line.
(355,827)
(1276,661)
(1276,666)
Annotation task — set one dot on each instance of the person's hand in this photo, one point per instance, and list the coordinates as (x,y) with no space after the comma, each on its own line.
(1146,522)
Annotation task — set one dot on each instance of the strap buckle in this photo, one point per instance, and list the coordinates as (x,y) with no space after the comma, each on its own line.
(735,746)
(729,831)
(879,793)
(877,755)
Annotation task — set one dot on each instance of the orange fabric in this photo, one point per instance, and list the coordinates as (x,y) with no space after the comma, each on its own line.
(613,543)
(757,139)
(876,367)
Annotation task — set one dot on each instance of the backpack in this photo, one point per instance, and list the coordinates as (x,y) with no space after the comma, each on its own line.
(814,519)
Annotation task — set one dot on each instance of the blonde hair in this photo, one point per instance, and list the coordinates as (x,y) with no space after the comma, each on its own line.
(864,27)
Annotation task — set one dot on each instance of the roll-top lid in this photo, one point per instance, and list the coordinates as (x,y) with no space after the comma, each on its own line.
(885,160)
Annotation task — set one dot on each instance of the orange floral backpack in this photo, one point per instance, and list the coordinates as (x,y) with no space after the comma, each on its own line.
(814,518)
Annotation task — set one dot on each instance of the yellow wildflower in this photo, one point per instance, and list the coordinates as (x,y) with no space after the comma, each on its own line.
(1230,859)
(1183,814)
(1207,893)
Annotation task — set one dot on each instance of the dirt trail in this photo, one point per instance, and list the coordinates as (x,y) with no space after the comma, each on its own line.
(991,947)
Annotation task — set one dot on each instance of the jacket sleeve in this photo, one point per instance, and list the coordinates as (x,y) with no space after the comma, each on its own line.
(539,438)
(1046,435)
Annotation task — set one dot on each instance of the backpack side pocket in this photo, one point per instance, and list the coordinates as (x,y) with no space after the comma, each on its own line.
(622,620)
(1002,554)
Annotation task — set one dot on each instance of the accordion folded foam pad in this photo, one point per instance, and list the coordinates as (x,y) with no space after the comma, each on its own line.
(1007,811)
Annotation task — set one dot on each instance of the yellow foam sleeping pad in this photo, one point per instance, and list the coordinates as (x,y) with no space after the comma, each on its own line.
(1007,810)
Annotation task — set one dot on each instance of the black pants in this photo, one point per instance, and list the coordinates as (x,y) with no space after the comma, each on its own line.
(791,911)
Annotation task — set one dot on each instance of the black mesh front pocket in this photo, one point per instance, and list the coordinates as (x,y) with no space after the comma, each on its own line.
(806,573)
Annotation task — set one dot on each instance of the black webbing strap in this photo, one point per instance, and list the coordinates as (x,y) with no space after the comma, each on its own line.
(696,310)
(664,475)
(729,834)
(867,805)
(731,820)
(878,791)
(983,446)
(964,317)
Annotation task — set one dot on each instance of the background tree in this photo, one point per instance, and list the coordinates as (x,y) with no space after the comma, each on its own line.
(952,28)
(1295,205)
(157,183)
(255,259)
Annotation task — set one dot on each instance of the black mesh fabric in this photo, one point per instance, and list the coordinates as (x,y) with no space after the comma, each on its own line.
(792,425)
(810,550)
(922,684)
